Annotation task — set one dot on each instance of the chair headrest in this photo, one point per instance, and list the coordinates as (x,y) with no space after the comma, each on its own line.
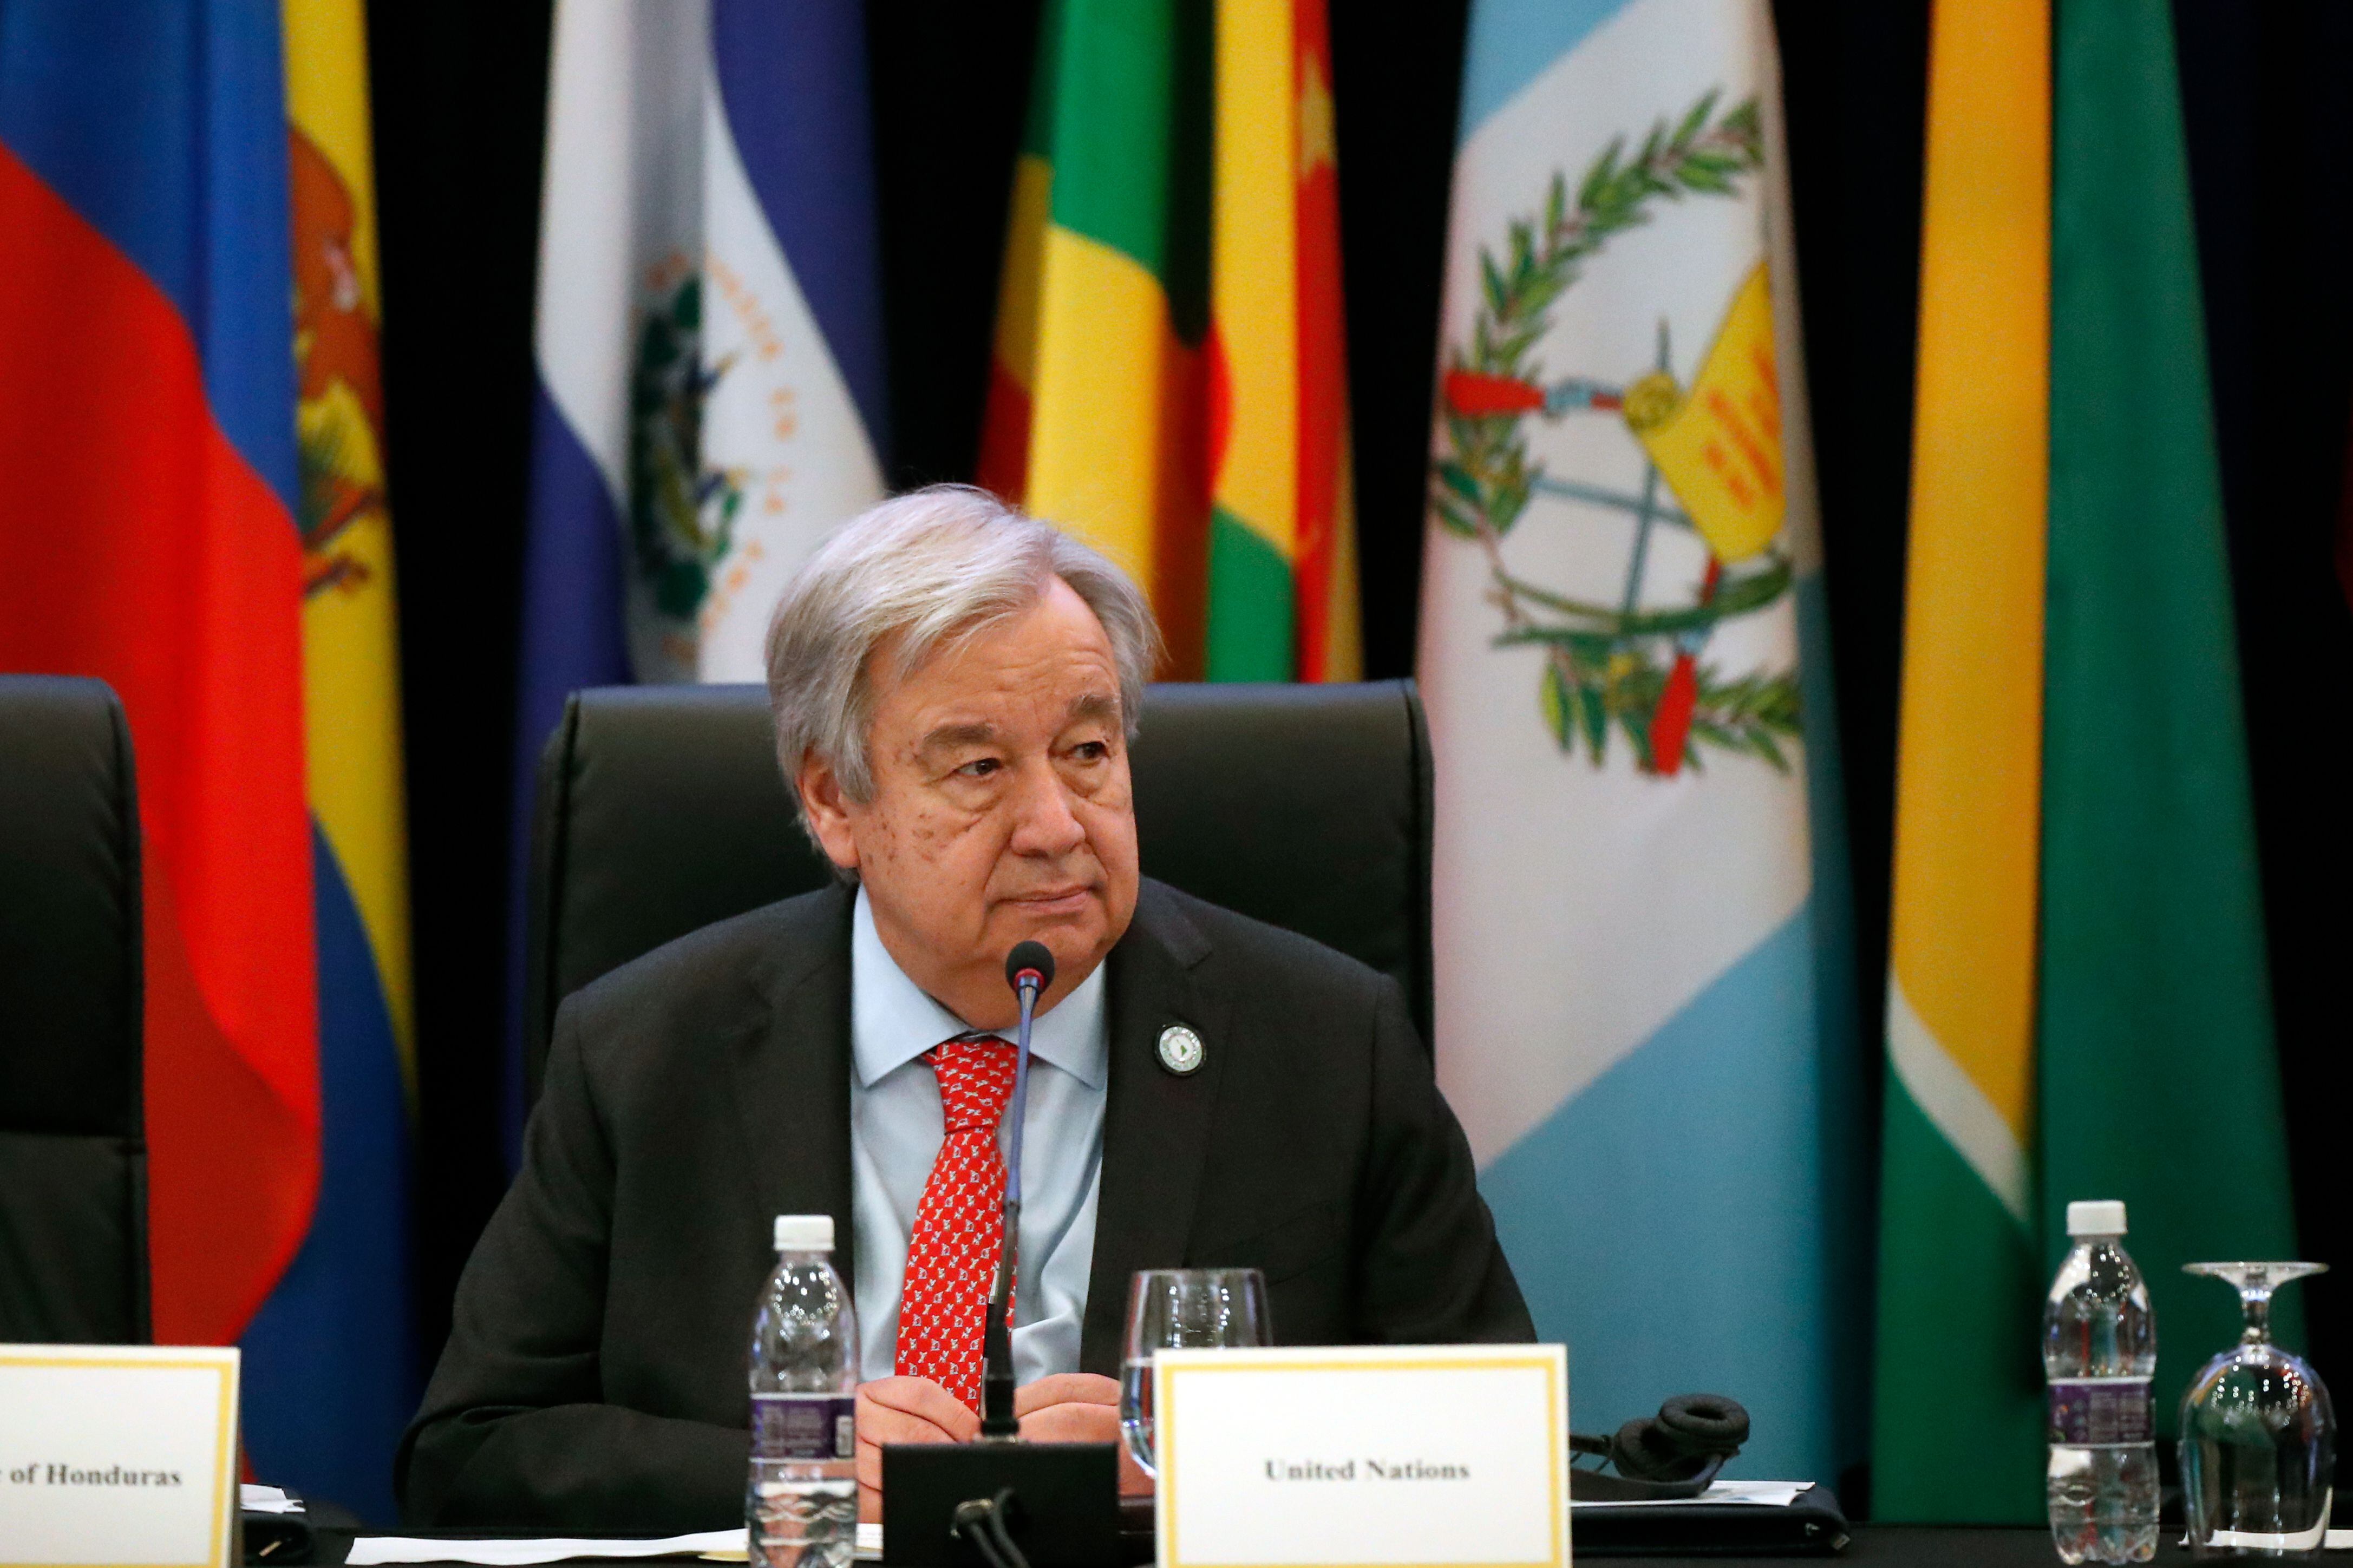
(70,927)
(661,809)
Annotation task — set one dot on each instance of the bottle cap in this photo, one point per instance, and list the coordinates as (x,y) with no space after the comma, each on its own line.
(804,1233)
(2103,1217)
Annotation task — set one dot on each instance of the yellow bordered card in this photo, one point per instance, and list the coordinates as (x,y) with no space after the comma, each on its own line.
(1363,1457)
(118,1453)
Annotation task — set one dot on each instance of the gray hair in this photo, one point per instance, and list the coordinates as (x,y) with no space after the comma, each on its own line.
(923,572)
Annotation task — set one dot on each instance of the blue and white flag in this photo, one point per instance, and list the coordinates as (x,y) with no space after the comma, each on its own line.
(1643,1013)
(708,339)
(709,334)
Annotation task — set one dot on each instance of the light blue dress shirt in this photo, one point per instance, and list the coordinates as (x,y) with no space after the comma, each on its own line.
(896,1127)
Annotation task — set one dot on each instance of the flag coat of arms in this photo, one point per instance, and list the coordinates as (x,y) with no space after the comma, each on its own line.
(1641,974)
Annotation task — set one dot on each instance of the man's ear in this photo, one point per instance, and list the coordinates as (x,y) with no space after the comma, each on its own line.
(827,809)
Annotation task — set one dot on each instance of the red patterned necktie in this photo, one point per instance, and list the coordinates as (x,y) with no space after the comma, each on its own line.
(952,1253)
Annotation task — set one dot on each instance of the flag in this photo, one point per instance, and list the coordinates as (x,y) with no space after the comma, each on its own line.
(2071,732)
(1176,199)
(1959,1261)
(709,395)
(1097,417)
(1281,599)
(149,537)
(1638,920)
(709,335)
(330,1369)
(2156,1072)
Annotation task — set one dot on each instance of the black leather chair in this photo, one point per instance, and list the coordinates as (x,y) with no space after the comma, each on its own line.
(661,809)
(73,1152)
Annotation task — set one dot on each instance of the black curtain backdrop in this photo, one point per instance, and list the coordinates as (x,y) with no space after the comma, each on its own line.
(1397,78)
(951,83)
(459,94)
(2263,91)
(1855,91)
(459,97)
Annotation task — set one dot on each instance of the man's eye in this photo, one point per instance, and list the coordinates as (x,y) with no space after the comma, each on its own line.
(980,767)
(1091,750)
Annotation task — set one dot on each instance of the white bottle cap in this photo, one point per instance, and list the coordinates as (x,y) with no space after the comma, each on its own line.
(2101,1217)
(804,1233)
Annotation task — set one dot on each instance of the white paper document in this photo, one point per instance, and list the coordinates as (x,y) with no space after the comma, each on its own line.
(265,1499)
(1756,1494)
(721,1545)
(373,1549)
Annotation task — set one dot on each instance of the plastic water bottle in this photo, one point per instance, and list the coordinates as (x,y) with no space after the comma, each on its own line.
(800,1507)
(2099,1353)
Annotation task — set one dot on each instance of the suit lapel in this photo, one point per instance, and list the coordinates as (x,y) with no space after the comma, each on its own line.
(1156,1123)
(792,1076)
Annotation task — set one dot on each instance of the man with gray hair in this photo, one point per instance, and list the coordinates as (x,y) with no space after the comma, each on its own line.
(954,688)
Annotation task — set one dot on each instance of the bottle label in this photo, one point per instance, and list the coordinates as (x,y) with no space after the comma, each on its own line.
(2098,1411)
(805,1426)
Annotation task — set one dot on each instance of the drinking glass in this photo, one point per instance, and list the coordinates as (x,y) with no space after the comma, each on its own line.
(2258,1439)
(1182,1308)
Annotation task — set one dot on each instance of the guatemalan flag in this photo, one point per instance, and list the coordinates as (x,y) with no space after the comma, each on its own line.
(709,337)
(1641,967)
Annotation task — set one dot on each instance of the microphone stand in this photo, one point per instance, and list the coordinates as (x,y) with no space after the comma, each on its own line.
(998,1424)
(1061,1500)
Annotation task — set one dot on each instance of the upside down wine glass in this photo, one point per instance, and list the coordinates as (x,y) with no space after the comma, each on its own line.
(2258,1438)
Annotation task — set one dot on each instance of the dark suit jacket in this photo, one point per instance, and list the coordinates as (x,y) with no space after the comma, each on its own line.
(595,1377)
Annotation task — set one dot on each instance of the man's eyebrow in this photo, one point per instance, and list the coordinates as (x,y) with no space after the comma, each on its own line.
(967,735)
(1097,705)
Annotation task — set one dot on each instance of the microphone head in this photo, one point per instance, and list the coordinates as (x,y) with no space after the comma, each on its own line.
(1027,959)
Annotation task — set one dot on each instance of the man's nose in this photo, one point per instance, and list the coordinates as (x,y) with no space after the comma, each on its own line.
(1043,822)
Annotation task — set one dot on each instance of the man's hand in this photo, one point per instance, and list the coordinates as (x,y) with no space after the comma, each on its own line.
(910,1410)
(1078,1407)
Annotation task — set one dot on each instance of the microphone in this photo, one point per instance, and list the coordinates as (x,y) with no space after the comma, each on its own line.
(1030,970)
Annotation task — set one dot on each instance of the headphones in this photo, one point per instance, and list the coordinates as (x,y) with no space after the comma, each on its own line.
(1674,1454)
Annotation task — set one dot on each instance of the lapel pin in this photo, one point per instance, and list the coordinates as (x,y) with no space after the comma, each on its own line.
(1180,1050)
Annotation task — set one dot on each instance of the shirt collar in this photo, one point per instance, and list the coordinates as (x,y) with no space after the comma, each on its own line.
(892,1020)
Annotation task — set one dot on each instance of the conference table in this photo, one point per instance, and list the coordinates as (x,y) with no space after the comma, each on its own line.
(1876,1545)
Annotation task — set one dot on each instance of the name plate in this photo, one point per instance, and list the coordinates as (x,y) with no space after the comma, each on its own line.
(1346,1457)
(115,1454)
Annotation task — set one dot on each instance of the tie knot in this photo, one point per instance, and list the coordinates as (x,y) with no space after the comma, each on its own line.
(976,1074)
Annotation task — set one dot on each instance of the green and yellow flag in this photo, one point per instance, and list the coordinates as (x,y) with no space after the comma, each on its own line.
(1959,1373)
(2158,1073)
(1097,417)
(1170,143)
(2077,997)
